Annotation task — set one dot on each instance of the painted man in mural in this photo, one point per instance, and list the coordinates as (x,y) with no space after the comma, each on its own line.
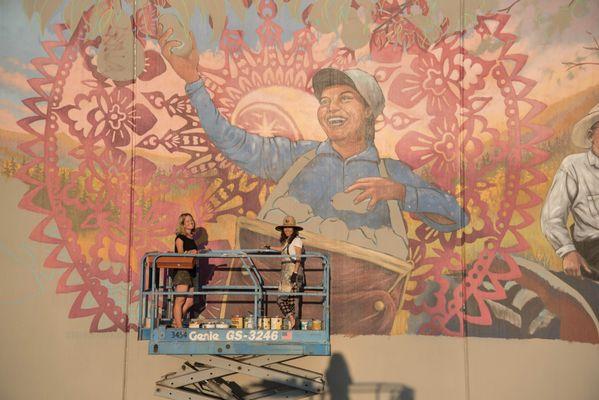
(342,178)
(575,190)
(338,189)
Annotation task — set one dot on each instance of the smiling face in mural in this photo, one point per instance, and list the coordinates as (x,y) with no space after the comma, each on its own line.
(343,114)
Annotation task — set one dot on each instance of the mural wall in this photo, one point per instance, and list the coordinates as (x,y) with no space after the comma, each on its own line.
(434,227)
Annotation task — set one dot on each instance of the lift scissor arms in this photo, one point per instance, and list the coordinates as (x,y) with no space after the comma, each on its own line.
(194,370)
(197,368)
(264,372)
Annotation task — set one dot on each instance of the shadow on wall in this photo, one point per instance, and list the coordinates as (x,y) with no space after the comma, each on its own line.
(340,385)
(205,272)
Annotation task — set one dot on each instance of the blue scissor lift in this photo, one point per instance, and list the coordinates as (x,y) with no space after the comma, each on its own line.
(211,355)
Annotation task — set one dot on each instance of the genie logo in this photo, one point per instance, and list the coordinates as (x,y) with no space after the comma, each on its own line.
(203,336)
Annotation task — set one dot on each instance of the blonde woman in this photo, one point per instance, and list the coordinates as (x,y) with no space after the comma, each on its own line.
(182,278)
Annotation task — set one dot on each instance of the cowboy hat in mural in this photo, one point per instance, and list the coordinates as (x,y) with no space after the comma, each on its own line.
(581,132)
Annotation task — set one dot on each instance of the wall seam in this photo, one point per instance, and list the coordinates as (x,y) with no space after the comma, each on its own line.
(463,188)
(131,209)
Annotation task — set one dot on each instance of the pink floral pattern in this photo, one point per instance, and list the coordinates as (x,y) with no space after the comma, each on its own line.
(442,77)
(117,197)
(460,149)
(111,117)
(447,148)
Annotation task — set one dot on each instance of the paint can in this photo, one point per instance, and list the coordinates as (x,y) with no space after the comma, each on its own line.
(305,324)
(221,325)
(209,325)
(276,323)
(287,324)
(248,322)
(316,325)
(264,323)
(237,322)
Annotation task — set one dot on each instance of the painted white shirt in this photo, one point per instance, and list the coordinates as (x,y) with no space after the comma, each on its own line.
(575,190)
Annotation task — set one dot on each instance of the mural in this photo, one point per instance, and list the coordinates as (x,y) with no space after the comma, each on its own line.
(435,229)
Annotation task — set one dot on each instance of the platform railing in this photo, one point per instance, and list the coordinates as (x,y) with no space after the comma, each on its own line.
(150,293)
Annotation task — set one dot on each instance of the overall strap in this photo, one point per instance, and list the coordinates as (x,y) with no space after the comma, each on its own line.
(282,186)
(398,224)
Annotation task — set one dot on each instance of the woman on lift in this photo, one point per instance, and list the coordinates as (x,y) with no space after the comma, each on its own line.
(292,273)
(182,278)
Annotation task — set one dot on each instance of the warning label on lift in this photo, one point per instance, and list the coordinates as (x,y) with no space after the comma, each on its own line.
(240,335)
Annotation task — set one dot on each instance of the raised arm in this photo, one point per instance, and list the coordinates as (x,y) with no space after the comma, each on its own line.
(264,157)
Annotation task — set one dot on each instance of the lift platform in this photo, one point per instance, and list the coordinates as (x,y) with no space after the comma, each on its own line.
(215,357)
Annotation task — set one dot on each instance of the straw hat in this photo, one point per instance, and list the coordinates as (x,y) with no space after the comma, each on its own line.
(580,136)
(361,81)
(288,222)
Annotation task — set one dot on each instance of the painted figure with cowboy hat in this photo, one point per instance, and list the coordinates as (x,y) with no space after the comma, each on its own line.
(292,275)
(575,191)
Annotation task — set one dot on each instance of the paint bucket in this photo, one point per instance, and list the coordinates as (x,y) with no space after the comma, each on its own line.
(276,323)
(287,324)
(237,322)
(316,325)
(264,323)
(221,325)
(209,325)
(305,324)
(248,322)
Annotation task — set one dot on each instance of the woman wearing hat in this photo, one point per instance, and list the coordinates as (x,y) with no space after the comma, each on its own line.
(182,279)
(291,266)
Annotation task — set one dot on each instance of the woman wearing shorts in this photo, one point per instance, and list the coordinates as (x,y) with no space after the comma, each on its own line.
(182,278)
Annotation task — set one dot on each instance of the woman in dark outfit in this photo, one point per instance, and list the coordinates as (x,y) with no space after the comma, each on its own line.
(182,278)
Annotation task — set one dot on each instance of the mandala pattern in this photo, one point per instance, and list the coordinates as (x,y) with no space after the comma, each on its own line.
(116,201)
(461,152)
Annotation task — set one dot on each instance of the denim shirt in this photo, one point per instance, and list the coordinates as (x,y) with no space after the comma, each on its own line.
(327,174)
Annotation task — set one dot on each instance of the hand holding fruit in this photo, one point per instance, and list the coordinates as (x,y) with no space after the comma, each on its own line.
(174,49)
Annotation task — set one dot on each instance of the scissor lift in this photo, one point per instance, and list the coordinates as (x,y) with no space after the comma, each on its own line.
(215,357)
